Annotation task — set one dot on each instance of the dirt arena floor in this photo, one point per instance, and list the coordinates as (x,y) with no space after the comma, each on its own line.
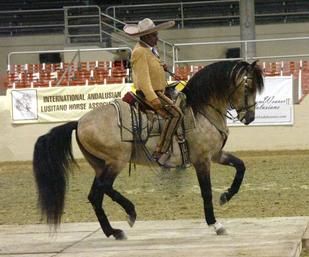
(276,184)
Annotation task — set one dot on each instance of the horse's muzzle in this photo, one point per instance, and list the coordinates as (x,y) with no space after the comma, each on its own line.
(248,117)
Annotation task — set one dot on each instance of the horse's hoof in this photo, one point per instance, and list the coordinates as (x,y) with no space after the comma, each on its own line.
(219,229)
(223,198)
(119,235)
(131,220)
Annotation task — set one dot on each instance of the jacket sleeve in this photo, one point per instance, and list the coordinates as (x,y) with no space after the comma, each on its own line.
(142,75)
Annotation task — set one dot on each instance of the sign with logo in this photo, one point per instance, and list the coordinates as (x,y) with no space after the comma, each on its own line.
(59,104)
(24,105)
(274,106)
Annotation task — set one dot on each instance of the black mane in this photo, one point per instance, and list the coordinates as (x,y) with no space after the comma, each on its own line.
(215,81)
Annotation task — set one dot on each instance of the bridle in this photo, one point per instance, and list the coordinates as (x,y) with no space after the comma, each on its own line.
(246,107)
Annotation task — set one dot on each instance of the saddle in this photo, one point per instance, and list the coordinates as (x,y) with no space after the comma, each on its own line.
(137,123)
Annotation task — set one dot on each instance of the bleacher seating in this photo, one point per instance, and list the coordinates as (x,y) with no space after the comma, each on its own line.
(66,74)
(305,76)
(279,68)
(213,13)
(108,72)
(186,72)
(287,68)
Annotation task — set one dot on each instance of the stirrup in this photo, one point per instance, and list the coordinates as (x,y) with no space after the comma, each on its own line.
(163,160)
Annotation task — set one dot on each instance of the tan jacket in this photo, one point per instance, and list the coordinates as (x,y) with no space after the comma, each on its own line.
(148,73)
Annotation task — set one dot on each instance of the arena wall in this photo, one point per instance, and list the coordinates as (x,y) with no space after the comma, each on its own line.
(294,137)
(17,141)
(219,34)
(28,43)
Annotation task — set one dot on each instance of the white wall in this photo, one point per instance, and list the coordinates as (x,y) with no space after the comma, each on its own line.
(216,34)
(294,137)
(17,141)
(28,43)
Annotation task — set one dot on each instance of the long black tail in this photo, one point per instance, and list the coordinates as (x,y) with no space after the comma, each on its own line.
(51,162)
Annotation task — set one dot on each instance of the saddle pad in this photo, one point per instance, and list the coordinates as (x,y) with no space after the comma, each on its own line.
(130,120)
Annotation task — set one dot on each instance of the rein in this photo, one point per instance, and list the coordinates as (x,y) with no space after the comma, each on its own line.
(246,107)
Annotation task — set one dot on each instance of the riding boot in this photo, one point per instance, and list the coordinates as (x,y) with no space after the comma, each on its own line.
(163,160)
(172,115)
(183,146)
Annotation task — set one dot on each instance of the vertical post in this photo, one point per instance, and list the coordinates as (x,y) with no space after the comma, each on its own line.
(173,50)
(78,56)
(182,16)
(100,24)
(66,24)
(114,14)
(245,56)
(247,28)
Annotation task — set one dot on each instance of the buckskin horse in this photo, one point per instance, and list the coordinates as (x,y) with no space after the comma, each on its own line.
(211,93)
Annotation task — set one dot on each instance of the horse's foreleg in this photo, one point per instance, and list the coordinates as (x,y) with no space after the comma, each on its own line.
(95,197)
(125,203)
(203,175)
(230,160)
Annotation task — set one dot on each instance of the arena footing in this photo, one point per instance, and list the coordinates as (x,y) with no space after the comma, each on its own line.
(263,237)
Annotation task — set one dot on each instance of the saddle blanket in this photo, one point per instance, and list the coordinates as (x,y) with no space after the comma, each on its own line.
(138,126)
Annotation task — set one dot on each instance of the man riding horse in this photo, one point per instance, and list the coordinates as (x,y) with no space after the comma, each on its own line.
(150,82)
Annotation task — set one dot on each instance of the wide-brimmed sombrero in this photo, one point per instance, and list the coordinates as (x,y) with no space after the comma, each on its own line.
(146,26)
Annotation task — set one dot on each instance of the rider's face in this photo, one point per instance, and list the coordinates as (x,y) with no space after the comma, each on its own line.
(151,39)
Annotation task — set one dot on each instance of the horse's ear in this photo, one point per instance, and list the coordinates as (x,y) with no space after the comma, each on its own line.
(254,63)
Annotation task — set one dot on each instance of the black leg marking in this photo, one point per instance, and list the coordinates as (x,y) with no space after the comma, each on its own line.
(238,164)
(96,197)
(203,175)
(125,203)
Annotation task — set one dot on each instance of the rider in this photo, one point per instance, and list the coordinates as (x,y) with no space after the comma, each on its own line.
(149,80)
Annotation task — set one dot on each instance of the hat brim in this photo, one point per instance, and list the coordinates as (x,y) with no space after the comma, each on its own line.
(132,29)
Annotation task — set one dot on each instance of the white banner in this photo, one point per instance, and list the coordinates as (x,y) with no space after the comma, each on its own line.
(275,104)
(58,104)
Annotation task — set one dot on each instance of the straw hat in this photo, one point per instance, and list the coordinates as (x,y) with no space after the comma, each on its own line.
(146,26)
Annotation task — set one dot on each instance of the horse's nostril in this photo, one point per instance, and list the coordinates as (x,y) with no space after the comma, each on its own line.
(249,117)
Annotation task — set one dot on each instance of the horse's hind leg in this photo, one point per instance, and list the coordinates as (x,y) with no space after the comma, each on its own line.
(96,197)
(125,203)
(231,160)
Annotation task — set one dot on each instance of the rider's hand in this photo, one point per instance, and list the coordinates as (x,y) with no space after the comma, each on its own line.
(177,78)
(165,67)
(156,104)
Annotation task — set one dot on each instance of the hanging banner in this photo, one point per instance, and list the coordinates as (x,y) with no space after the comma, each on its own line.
(59,104)
(274,106)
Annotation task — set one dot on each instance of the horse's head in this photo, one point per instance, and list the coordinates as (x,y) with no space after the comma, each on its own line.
(248,81)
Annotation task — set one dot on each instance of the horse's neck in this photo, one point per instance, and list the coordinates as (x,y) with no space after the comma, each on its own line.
(215,112)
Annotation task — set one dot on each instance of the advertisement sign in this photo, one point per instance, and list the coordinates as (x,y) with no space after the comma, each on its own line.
(58,104)
(274,106)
